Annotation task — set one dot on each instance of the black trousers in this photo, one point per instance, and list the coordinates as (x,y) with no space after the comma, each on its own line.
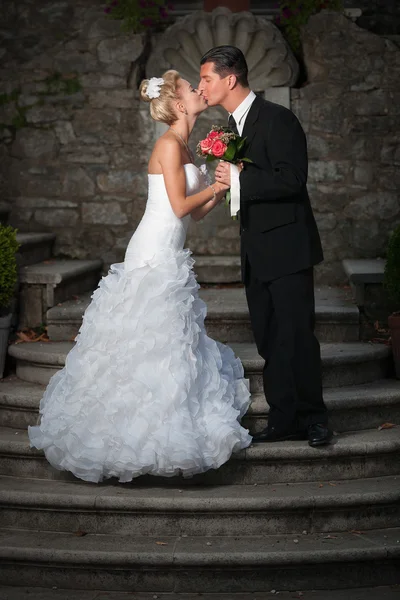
(282,314)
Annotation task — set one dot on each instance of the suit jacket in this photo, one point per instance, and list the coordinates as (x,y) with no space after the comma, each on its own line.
(279,235)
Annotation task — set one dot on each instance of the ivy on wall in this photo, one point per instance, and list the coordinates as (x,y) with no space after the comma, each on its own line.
(293,14)
(54,85)
(18,120)
(137,16)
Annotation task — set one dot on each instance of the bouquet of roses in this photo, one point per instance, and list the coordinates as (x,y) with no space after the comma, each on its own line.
(223,144)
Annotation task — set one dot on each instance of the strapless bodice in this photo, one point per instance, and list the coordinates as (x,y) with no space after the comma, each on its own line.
(160,228)
(157,194)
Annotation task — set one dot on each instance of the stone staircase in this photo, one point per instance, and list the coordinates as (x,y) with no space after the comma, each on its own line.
(378,593)
(228,317)
(45,281)
(218,269)
(276,517)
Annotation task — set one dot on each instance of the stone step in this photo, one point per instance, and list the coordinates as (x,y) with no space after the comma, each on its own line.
(239,510)
(350,408)
(364,270)
(217,269)
(366,281)
(344,364)
(352,455)
(337,318)
(19,402)
(34,248)
(201,564)
(47,283)
(39,593)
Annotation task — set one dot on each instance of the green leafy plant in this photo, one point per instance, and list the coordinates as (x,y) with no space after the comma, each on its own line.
(57,83)
(12,97)
(19,119)
(293,14)
(391,279)
(8,265)
(138,15)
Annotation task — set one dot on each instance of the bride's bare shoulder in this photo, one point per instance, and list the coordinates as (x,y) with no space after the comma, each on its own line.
(167,142)
(165,145)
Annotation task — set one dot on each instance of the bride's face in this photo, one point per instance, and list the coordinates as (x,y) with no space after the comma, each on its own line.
(190,97)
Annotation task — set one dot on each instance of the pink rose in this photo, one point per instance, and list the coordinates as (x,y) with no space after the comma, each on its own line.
(213,135)
(206,144)
(219,148)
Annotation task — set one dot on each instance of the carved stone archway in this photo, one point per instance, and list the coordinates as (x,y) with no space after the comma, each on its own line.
(269,57)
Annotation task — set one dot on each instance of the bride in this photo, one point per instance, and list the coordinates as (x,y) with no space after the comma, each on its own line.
(145,390)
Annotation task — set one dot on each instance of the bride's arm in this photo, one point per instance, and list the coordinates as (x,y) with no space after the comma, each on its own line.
(202,211)
(175,182)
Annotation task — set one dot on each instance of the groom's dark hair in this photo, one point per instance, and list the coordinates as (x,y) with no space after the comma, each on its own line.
(228,60)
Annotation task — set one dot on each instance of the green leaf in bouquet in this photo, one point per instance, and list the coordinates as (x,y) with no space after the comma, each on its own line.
(228,201)
(248,160)
(230,152)
(240,145)
(210,158)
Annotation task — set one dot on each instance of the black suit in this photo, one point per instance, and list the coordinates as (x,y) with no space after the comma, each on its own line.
(279,246)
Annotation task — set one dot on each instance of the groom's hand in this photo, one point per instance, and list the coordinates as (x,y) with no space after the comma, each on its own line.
(223,173)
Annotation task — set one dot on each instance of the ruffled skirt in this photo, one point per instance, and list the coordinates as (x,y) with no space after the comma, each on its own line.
(144,390)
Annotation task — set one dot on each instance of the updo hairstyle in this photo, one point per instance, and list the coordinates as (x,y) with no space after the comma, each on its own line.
(161,108)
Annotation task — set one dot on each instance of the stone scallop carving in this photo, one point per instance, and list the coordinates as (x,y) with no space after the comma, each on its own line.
(270,60)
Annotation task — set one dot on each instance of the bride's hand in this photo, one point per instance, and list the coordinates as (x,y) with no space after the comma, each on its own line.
(220,187)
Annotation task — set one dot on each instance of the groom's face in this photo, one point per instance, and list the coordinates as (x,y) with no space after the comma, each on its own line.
(213,87)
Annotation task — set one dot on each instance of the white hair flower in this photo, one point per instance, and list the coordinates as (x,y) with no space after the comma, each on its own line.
(153,87)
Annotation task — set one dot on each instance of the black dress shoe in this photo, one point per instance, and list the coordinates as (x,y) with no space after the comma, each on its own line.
(272,435)
(319,435)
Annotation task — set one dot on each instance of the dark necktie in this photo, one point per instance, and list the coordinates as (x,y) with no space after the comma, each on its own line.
(232,124)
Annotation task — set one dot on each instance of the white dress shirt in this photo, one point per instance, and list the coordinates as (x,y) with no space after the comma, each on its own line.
(240,113)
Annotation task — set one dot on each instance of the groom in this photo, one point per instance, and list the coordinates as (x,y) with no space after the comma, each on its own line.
(279,246)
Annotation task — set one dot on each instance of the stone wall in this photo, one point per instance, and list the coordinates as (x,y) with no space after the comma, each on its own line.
(75,139)
(76,165)
(379,16)
(350,110)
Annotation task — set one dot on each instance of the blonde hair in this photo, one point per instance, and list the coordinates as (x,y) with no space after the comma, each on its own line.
(161,108)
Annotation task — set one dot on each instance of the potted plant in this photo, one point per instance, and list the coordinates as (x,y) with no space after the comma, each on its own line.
(392,285)
(8,280)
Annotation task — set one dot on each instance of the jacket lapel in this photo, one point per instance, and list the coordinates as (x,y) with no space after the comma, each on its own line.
(250,128)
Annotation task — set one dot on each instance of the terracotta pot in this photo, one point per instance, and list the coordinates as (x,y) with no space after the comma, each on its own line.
(394,326)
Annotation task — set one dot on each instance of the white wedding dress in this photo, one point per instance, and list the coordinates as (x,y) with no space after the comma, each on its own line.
(145,390)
